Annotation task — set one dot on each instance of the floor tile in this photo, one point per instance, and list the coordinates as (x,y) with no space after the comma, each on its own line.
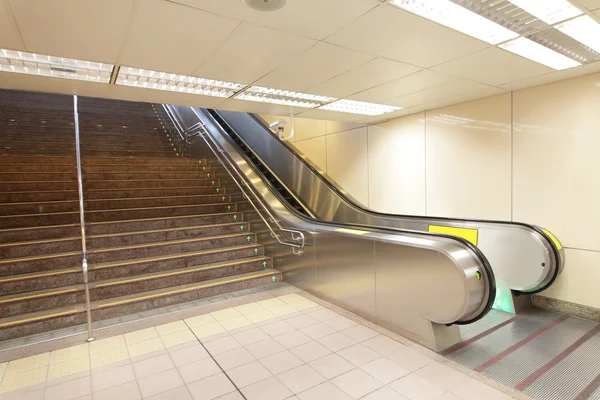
(176,338)
(208,330)
(140,336)
(198,370)
(472,389)
(324,391)
(161,382)
(318,330)
(68,367)
(171,327)
(250,336)
(336,341)
(340,323)
(282,310)
(260,316)
(442,375)
(35,392)
(310,351)
(264,348)
(234,358)
(268,389)
(231,396)
(301,321)
(409,358)
(69,353)
(28,363)
(69,390)
(385,393)
(14,380)
(359,354)
(225,314)
(112,377)
(222,345)
(290,298)
(300,378)
(385,370)
(108,356)
(125,391)
(356,383)
(277,328)
(210,388)
(101,345)
(292,339)
(145,347)
(331,366)
(413,387)
(323,314)
(248,374)
(235,322)
(383,344)
(188,354)
(180,393)
(249,308)
(448,396)
(360,333)
(304,304)
(200,320)
(63,379)
(152,366)
(270,303)
(281,362)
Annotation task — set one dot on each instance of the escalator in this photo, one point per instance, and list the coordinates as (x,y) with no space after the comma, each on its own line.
(526,259)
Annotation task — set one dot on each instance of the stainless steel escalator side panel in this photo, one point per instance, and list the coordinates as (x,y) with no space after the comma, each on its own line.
(412,282)
(525,259)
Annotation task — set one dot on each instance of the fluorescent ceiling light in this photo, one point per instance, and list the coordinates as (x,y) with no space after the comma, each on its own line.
(583,29)
(538,53)
(283,97)
(549,11)
(359,107)
(144,78)
(57,67)
(449,14)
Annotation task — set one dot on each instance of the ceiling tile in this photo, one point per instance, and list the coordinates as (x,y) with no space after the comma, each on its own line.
(393,33)
(329,115)
(493,66)
(9,34)
(465,97)
(446,91)
(257,107)
(82,29)
(318,64)
(554,76)
(373,73)
(396,114)
(315,19)
(163,33)
(250,52)
(409,84)
(590,4)
(163,96)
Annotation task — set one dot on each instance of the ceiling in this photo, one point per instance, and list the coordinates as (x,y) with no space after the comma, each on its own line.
(357,49)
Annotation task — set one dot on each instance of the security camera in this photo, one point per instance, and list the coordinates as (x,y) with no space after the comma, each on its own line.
(278,126)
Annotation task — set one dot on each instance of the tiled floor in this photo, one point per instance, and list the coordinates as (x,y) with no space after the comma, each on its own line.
(286,347)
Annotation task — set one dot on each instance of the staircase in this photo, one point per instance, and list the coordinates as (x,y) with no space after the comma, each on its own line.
(160,229)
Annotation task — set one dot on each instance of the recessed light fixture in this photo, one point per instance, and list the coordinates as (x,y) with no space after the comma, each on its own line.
(359,107)
(144,78)
(283,97)
(22,62)
(538,53)
(549,11)
(449,14)
(583,29)
(266,5)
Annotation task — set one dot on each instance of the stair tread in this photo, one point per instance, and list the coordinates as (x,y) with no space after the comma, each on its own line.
(162,218)
(208,226)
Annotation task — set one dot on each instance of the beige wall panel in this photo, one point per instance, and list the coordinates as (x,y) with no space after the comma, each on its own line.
(397,166)
(315,150)
(557,161)
(468,159)
(347,162)
(578,282)
(339,126)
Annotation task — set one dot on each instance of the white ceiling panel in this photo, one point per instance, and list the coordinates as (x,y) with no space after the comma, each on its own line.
(555,76)
(9,34)
(380,118)
(259,108)
(590,4)
(309,18)
(9,80)
(462,98)
(83,29)
(443,92)
(170,37)
(318,64)
(493,66)
(162,96)
(251,52)
(371,74)
(393,33)
(409,84)
(330,115)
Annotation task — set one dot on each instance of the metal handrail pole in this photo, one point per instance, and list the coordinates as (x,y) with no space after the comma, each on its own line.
(84,263)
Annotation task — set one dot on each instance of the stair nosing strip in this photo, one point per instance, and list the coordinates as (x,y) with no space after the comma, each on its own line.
(41,317)
(155,208)
(38,275)
(34,296)
(166,230)
(158,218)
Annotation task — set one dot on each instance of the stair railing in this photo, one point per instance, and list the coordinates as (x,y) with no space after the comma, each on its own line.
(199,130)
(181,145)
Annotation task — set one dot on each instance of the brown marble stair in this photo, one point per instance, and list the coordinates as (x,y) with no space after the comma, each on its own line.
(160,229)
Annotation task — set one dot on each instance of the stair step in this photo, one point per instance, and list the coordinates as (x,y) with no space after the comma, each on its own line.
(141,176)
(37,186)
(38,196)
(146,183)
(137,202)
(94,194)
(42,219)
(39,233)
(156,212)
(38,207)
